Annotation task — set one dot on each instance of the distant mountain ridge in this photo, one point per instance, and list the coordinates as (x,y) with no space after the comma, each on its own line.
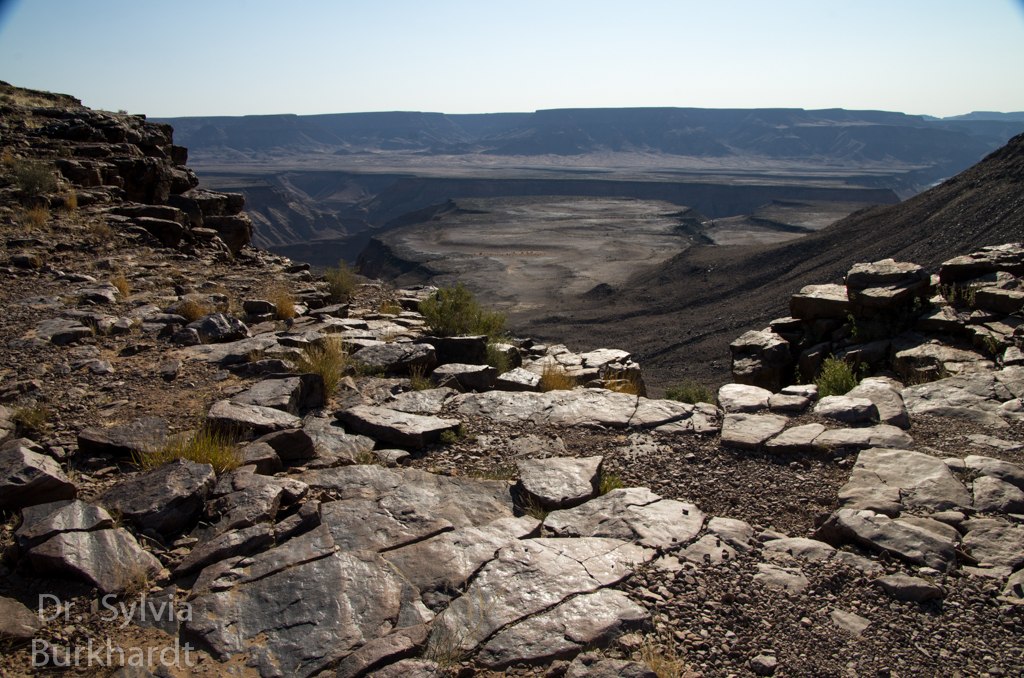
(830,134)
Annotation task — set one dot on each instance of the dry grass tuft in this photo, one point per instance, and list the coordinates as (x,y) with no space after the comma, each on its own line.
(34,418)
(283,298)
(207,446)
(664,661)
(389,307)
(555,378)
(192,310)
(690,392)
(625,382)
(329,358)
(70,202)
(132,577)
(419,379)
(101,230)
(34,218)
(532,506)
(121,283)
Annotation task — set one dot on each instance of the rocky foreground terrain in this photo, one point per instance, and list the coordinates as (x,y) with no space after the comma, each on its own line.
(374,524)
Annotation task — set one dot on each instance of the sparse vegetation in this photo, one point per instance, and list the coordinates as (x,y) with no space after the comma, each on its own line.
(497,358)
(609,481)
(453,310)
(70,202)
(35,178)
(100,230)
(328,359)
(499,473)
(132,577)
(389,307)
(662,659)
(959,295)
(835,378)
(342,282)
(419,379)
(192,309)
(555,378)
(33,418)
(453,435)
(365,458)
(625,382)
(692,392)
(532,507)
(35,218)
(284,300)
(121,283)
(208,445)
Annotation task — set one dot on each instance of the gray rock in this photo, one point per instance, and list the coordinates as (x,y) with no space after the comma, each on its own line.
(308,615)
(470,350)
(588,621)
(331,445)
(743,398)
(633,514)
(994,496)
(887,401)
(708,550)
(736,533)
(560,483)
(846,409)
(750,431)
(760,358)
(983,440)
(881,533)
(17,622)
(125,440)
(1015,585)
(28,477)
(780,402)
(397,428)
(783,578)
(809,391)
(232,416)
(849,622)
(883,435)
(763,665)
(907,588)
(110,560)
(410,668)
(232,352)
(61,331)
(994,542)
(429,401)
(910,479)
(263,457)
(398,358)
(469,377)
(217,328)
(820,301)
(518,379)
(392,458)
(167,499)
(242,542)
(397,645)
(290,394)
(73,516)
(796,439)
(379,525)
(257,503)
(440,567)
(943,530)
(580,407)
(996,468)
(654,413)
(527,577)
(595,666)
(799,547)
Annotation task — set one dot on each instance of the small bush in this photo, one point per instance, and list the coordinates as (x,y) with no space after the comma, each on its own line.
(35,218)
(419,379)
(283,298)
(453,311)
(690,392)
(35,178)
(555,378)
(132,577)
(192,310)
(328,359)
(34,418)
(389,307)
(342,282)
(497,359)
(121,283)
(609,481)
(835,378)
(532,507)
(452,436)
(207,446)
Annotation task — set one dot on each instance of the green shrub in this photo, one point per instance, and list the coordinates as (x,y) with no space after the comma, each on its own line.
(35,178)
(342,282)
(453,310)
(690,392)
(835,378)
(498,359)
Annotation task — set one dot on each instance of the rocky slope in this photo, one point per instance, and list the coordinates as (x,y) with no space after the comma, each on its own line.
(480,527)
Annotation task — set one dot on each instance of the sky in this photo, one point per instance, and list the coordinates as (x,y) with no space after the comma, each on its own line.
(246,57)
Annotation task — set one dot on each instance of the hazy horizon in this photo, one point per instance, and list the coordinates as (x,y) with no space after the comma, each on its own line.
(190,59)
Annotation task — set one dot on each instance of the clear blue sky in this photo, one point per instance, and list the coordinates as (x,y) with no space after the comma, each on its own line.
(236,57)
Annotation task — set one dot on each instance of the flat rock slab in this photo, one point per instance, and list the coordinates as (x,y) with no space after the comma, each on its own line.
(561,482)
(587,621)
(796,439)
(141,435)
(849,622)
(60,331)
(750,431)
(17,622)
(996,468)
(580,407)
(887,400)
(397,645)
(743,398)
(528,577)
(110,560)
(800,547)
(518,379)
(331,445)
(398,358)
(242,542)
(783,578)
(995,542)
(992,495)
(820,301)
(410,668)
(440,567)
(882,435)
(28,478)
(709,550)
(366,524)
(167,499)
(633,514)
(231,352)
(469,377)
(397,428)
(736,533)
(226,414)
(300,619)
(429,401)
(898,538)
(288,394)
(846,409)
(74,516)
(881,478)
(906,588)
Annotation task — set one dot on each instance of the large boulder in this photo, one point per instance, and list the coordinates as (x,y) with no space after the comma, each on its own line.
(820,301)
(167,499)
(398,358)
(397,428)
(110,560)
(28,477)
(760,359)
(885,284)
(218,328)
